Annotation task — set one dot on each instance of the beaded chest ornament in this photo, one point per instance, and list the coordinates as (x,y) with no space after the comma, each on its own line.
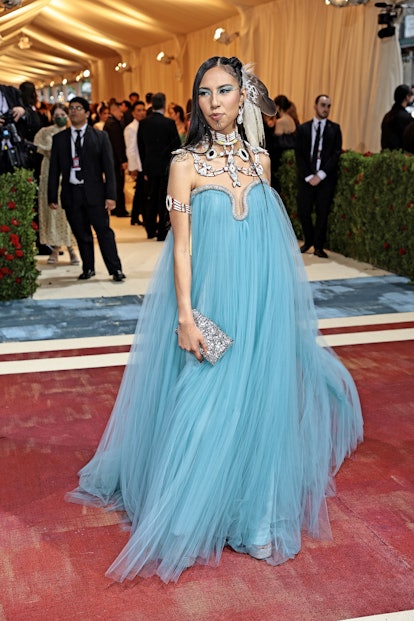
(226,144)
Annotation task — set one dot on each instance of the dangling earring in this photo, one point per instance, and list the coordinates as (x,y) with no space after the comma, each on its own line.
(239,119)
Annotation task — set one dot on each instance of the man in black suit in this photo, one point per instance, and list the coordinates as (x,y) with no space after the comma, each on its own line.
(157,138)
(318,148)
(126,109)
(115,130)
(396,121)
(83,157)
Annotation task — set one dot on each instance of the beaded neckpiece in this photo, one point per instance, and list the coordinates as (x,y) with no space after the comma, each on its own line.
(224,146)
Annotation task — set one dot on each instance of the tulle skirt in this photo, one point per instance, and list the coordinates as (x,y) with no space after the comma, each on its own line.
(241,453)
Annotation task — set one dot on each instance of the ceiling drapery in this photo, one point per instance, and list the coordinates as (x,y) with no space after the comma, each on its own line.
(74,34)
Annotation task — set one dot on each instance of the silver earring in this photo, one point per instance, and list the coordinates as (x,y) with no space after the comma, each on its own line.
(240,116)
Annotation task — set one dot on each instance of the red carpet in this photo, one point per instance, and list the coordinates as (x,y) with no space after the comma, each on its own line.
(53,555)
(369,328)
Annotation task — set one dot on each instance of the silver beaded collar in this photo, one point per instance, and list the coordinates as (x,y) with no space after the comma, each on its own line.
(225,139)
(226,143)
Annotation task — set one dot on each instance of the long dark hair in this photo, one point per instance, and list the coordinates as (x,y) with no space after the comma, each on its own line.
(180,111)
(198,127)
(289,107)
(29,95)
(283,102)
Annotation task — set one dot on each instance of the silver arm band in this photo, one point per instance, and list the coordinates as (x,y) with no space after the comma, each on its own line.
(173,203)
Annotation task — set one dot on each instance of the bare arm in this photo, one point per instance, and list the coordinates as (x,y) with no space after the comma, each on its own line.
(265,162)
(179,187)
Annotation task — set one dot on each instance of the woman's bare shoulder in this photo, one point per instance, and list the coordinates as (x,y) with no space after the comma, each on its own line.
(182,157)
(181,164)
(181,169)
(285,125)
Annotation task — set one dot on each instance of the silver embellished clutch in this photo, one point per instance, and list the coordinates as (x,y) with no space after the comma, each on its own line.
(216,340)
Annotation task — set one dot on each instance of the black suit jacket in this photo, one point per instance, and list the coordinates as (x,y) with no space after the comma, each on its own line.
(393,126)
(97,167)
(157,138)
(331,150)
(116,137)
(408,138)
(12,95)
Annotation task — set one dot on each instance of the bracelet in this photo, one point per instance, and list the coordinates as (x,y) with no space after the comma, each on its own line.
(176,205)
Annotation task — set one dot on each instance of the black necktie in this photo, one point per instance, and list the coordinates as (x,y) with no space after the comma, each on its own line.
(78,143)
(78,153)
(316,147)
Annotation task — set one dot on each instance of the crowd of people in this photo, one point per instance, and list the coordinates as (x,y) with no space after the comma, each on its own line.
(62,167)
(143,132)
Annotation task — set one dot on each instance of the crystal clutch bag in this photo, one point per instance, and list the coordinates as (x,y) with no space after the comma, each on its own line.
(216,340)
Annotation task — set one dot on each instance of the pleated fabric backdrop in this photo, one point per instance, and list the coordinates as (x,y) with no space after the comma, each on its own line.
(300,49)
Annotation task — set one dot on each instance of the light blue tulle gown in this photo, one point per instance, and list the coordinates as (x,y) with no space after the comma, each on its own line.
(241,453)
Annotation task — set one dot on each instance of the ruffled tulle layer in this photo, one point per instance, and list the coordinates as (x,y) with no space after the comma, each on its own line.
(241,453)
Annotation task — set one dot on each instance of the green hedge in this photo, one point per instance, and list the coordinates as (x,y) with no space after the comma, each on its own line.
(18,273)
(372,217)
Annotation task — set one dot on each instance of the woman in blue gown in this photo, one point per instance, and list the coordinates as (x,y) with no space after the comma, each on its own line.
(241,453)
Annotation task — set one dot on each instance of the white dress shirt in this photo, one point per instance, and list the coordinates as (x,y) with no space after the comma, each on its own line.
(4,106)
(131,146)
(73,136)
(321,174)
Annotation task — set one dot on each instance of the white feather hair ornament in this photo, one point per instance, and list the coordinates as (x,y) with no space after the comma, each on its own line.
(257,101)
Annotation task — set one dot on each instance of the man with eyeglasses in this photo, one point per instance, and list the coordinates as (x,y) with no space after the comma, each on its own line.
(318,148)
(83,157)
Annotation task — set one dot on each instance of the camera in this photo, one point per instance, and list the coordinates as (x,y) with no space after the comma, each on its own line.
(15,151)
(388,17)
(7,117)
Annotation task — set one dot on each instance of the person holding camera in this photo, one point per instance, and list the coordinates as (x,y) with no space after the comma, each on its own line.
(11,111)
(11,101)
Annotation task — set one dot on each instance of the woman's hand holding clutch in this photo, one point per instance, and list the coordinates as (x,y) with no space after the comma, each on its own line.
(212,345)
(191,339)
